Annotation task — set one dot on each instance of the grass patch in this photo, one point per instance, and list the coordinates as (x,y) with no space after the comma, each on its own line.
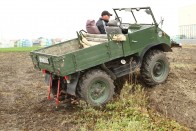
(128,112)
(19,49)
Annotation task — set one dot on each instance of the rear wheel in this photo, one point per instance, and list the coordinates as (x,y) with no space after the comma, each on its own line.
(97,87)
(155,67)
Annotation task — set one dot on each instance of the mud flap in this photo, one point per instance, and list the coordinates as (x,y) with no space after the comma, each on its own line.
(47,79)
(71,87)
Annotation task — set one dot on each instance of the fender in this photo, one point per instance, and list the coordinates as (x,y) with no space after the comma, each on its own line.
(71,87)
(161,46)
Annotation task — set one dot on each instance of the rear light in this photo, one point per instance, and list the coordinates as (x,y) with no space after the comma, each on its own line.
(66,77)
(44,71)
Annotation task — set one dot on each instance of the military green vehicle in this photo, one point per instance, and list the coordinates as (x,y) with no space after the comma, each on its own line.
(87,67)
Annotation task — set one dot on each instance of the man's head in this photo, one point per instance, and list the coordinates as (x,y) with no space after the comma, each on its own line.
(105,15)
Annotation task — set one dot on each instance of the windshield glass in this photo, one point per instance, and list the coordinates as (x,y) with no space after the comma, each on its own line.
(141,17)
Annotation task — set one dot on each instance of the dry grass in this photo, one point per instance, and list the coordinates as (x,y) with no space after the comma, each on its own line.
(128,112)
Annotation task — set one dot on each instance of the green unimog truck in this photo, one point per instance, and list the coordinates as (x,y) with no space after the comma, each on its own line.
(87,67)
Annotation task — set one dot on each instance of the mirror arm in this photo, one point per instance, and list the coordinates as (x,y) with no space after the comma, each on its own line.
(161,22)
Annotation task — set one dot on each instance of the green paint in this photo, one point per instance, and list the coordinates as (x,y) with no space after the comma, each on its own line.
(77,59)
(159,70)
(98,91)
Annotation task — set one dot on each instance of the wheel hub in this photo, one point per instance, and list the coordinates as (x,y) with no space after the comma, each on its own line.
(158,69)
(97,90)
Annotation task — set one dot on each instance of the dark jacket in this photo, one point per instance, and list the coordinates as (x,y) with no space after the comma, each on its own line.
(101,24)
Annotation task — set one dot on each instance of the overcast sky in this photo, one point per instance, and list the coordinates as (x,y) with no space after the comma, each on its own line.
(62,18)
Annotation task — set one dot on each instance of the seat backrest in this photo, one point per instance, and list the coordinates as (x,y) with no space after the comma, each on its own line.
(115,31)
(113,28)
(91,27)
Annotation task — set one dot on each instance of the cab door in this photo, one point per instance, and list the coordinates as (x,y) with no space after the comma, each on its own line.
(138,40)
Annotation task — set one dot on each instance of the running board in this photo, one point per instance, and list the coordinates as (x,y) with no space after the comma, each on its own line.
(125,69)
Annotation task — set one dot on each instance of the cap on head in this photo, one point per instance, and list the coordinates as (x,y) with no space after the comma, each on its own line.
(105,13)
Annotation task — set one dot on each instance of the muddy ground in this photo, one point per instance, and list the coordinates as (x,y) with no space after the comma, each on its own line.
(23,94)
(177,97)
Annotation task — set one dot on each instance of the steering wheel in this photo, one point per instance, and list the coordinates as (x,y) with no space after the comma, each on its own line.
(119,19)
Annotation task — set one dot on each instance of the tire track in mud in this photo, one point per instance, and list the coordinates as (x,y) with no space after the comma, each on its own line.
(177,97)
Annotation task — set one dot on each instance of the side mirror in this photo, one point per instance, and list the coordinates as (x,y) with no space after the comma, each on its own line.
(148,11)
(161,22)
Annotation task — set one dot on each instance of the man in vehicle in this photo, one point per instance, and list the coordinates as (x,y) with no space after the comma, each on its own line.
(102,22)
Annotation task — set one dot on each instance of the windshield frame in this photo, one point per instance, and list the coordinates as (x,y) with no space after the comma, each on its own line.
(137,9)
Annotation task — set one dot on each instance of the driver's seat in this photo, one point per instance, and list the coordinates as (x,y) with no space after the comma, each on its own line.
(114,31)
(113,28)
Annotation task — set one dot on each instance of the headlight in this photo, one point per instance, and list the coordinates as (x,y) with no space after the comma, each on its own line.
(160,33)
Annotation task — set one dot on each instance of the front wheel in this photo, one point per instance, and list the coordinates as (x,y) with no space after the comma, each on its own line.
(96,87)
(155,67)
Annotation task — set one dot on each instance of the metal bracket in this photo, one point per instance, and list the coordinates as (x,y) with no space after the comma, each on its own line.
(113,76)
(74,60)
